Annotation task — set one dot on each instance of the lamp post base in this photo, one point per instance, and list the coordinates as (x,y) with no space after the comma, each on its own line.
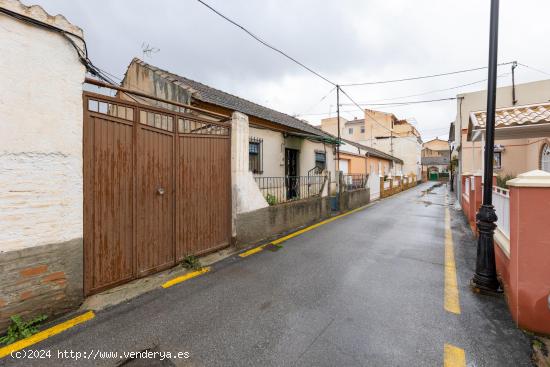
(485,277)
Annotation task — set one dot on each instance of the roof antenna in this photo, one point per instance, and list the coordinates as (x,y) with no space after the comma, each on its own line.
(148,50)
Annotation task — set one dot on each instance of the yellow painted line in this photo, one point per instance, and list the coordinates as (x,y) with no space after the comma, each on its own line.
(453,356)
(185,277)
(451,299)
(297,233)
(252,251)
(44,334)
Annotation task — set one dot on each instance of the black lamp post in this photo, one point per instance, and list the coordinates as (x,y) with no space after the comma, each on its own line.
(485,277)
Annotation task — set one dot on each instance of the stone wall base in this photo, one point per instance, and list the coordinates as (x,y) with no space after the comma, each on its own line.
(41,280)
(262,224)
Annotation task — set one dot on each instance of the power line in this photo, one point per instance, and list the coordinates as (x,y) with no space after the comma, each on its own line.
(435,90)
(316,103)
(420,77)
(81,52)
(367,113)
(394,104)
(535,69)
(404,102)
(265,43)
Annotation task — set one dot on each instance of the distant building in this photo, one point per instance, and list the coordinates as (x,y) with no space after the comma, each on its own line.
(435,156)
(384,132)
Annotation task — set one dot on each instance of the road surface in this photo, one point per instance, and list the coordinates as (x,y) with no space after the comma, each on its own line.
(367,289)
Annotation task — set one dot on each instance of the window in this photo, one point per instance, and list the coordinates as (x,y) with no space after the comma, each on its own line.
(350,130)
(362,129)
(255,155)
(545,158)
(320,160)
(497,160)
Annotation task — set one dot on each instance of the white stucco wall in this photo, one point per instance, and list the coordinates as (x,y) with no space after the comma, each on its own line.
(407,149)
(273,160)
(40,132)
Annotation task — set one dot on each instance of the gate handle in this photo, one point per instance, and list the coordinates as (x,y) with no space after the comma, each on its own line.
(160,191)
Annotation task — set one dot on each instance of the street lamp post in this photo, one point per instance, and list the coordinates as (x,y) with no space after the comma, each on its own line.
(485,277)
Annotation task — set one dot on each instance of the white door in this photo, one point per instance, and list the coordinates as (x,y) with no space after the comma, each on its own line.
(344,166)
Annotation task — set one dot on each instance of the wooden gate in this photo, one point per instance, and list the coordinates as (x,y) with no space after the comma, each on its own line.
(157,187)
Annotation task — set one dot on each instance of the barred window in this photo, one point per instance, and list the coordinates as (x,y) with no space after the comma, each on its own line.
(255,155)
(497,160)
(545,158)
(320,159)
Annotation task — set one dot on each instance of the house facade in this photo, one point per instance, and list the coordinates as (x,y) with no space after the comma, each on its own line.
(383,132)
(513,154)
(522,139)
(280,145)
(358,158)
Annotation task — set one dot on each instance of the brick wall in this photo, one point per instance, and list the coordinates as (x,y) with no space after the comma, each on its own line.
(40,280)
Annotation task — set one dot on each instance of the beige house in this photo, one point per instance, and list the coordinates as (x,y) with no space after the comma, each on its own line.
(435,156)
(384,132)
(521,135)
(516,149)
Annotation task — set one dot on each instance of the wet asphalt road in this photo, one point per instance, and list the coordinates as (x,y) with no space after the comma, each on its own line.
(364,290)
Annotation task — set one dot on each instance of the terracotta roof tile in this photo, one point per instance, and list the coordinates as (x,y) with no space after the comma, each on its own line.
(514,116)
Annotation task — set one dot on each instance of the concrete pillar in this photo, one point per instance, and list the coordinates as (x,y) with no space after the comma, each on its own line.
(245,192)
(465,206)
(528,286)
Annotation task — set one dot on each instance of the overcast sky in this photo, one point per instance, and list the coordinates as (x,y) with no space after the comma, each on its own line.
(346,40)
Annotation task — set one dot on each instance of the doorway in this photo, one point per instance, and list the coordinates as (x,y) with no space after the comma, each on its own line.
(292,173)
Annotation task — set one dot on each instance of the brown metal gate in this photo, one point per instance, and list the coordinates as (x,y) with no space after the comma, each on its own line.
(157,187)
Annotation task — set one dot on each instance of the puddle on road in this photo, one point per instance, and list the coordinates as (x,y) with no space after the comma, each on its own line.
(428,191)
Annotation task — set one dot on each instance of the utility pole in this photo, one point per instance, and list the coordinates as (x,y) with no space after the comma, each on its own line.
(485,277)
(514,66)
(338,122)
(451,168)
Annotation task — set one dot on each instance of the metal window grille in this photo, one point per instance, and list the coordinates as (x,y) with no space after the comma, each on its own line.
(354,181)
(278,190)
(320,160)
(255,155)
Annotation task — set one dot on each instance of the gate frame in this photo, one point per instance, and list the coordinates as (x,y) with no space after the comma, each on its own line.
(88,184)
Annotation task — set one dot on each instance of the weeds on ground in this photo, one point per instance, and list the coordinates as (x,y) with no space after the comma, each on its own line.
(20,329)
(271,199)
(191,262)
(541,353)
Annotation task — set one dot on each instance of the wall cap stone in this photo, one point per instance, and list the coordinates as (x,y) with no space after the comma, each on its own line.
(38,13)
(536,178)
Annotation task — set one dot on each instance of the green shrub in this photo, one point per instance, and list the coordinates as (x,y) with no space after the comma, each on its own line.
(191,262)
(271,199)
(20,329)
(501,180)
